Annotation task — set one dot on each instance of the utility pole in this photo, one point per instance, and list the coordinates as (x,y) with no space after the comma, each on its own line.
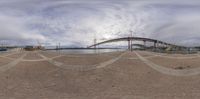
(131,40)
(59,47)
(95,41)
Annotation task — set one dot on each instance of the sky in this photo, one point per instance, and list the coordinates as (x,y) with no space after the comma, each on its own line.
(78,22)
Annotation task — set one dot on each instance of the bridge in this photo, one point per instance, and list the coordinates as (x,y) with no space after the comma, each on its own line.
(156,43)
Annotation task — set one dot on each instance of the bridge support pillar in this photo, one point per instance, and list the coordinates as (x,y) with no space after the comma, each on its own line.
(144,45)
(95,42)
(129,45)
(155,45)
(131,42)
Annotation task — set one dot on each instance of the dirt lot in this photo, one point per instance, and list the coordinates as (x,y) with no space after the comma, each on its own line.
(32,56)
(175,63)
(122,78)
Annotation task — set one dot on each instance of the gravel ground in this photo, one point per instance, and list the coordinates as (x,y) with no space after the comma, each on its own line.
(176,63)
(123,79)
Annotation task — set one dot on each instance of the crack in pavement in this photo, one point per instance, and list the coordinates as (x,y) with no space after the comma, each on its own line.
(169,71)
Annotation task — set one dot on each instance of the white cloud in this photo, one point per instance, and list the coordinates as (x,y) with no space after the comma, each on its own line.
(14,28)
(77,22)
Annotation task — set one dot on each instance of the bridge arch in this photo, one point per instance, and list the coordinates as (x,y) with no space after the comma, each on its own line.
(128,39)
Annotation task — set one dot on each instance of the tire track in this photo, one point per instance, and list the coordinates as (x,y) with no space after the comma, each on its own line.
(82,67)
(171,57)
(169,71)
(11,64)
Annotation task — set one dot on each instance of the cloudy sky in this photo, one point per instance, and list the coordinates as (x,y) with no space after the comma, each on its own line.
(77,22)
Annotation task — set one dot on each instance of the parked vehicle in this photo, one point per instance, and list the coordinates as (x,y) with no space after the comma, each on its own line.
(3,49)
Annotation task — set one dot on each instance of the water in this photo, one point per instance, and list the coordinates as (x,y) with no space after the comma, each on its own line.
(87,51)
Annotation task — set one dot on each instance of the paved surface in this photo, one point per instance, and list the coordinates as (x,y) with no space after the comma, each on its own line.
(118,75)
(169,71)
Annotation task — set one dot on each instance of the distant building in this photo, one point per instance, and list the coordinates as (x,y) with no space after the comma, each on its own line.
(33,48)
